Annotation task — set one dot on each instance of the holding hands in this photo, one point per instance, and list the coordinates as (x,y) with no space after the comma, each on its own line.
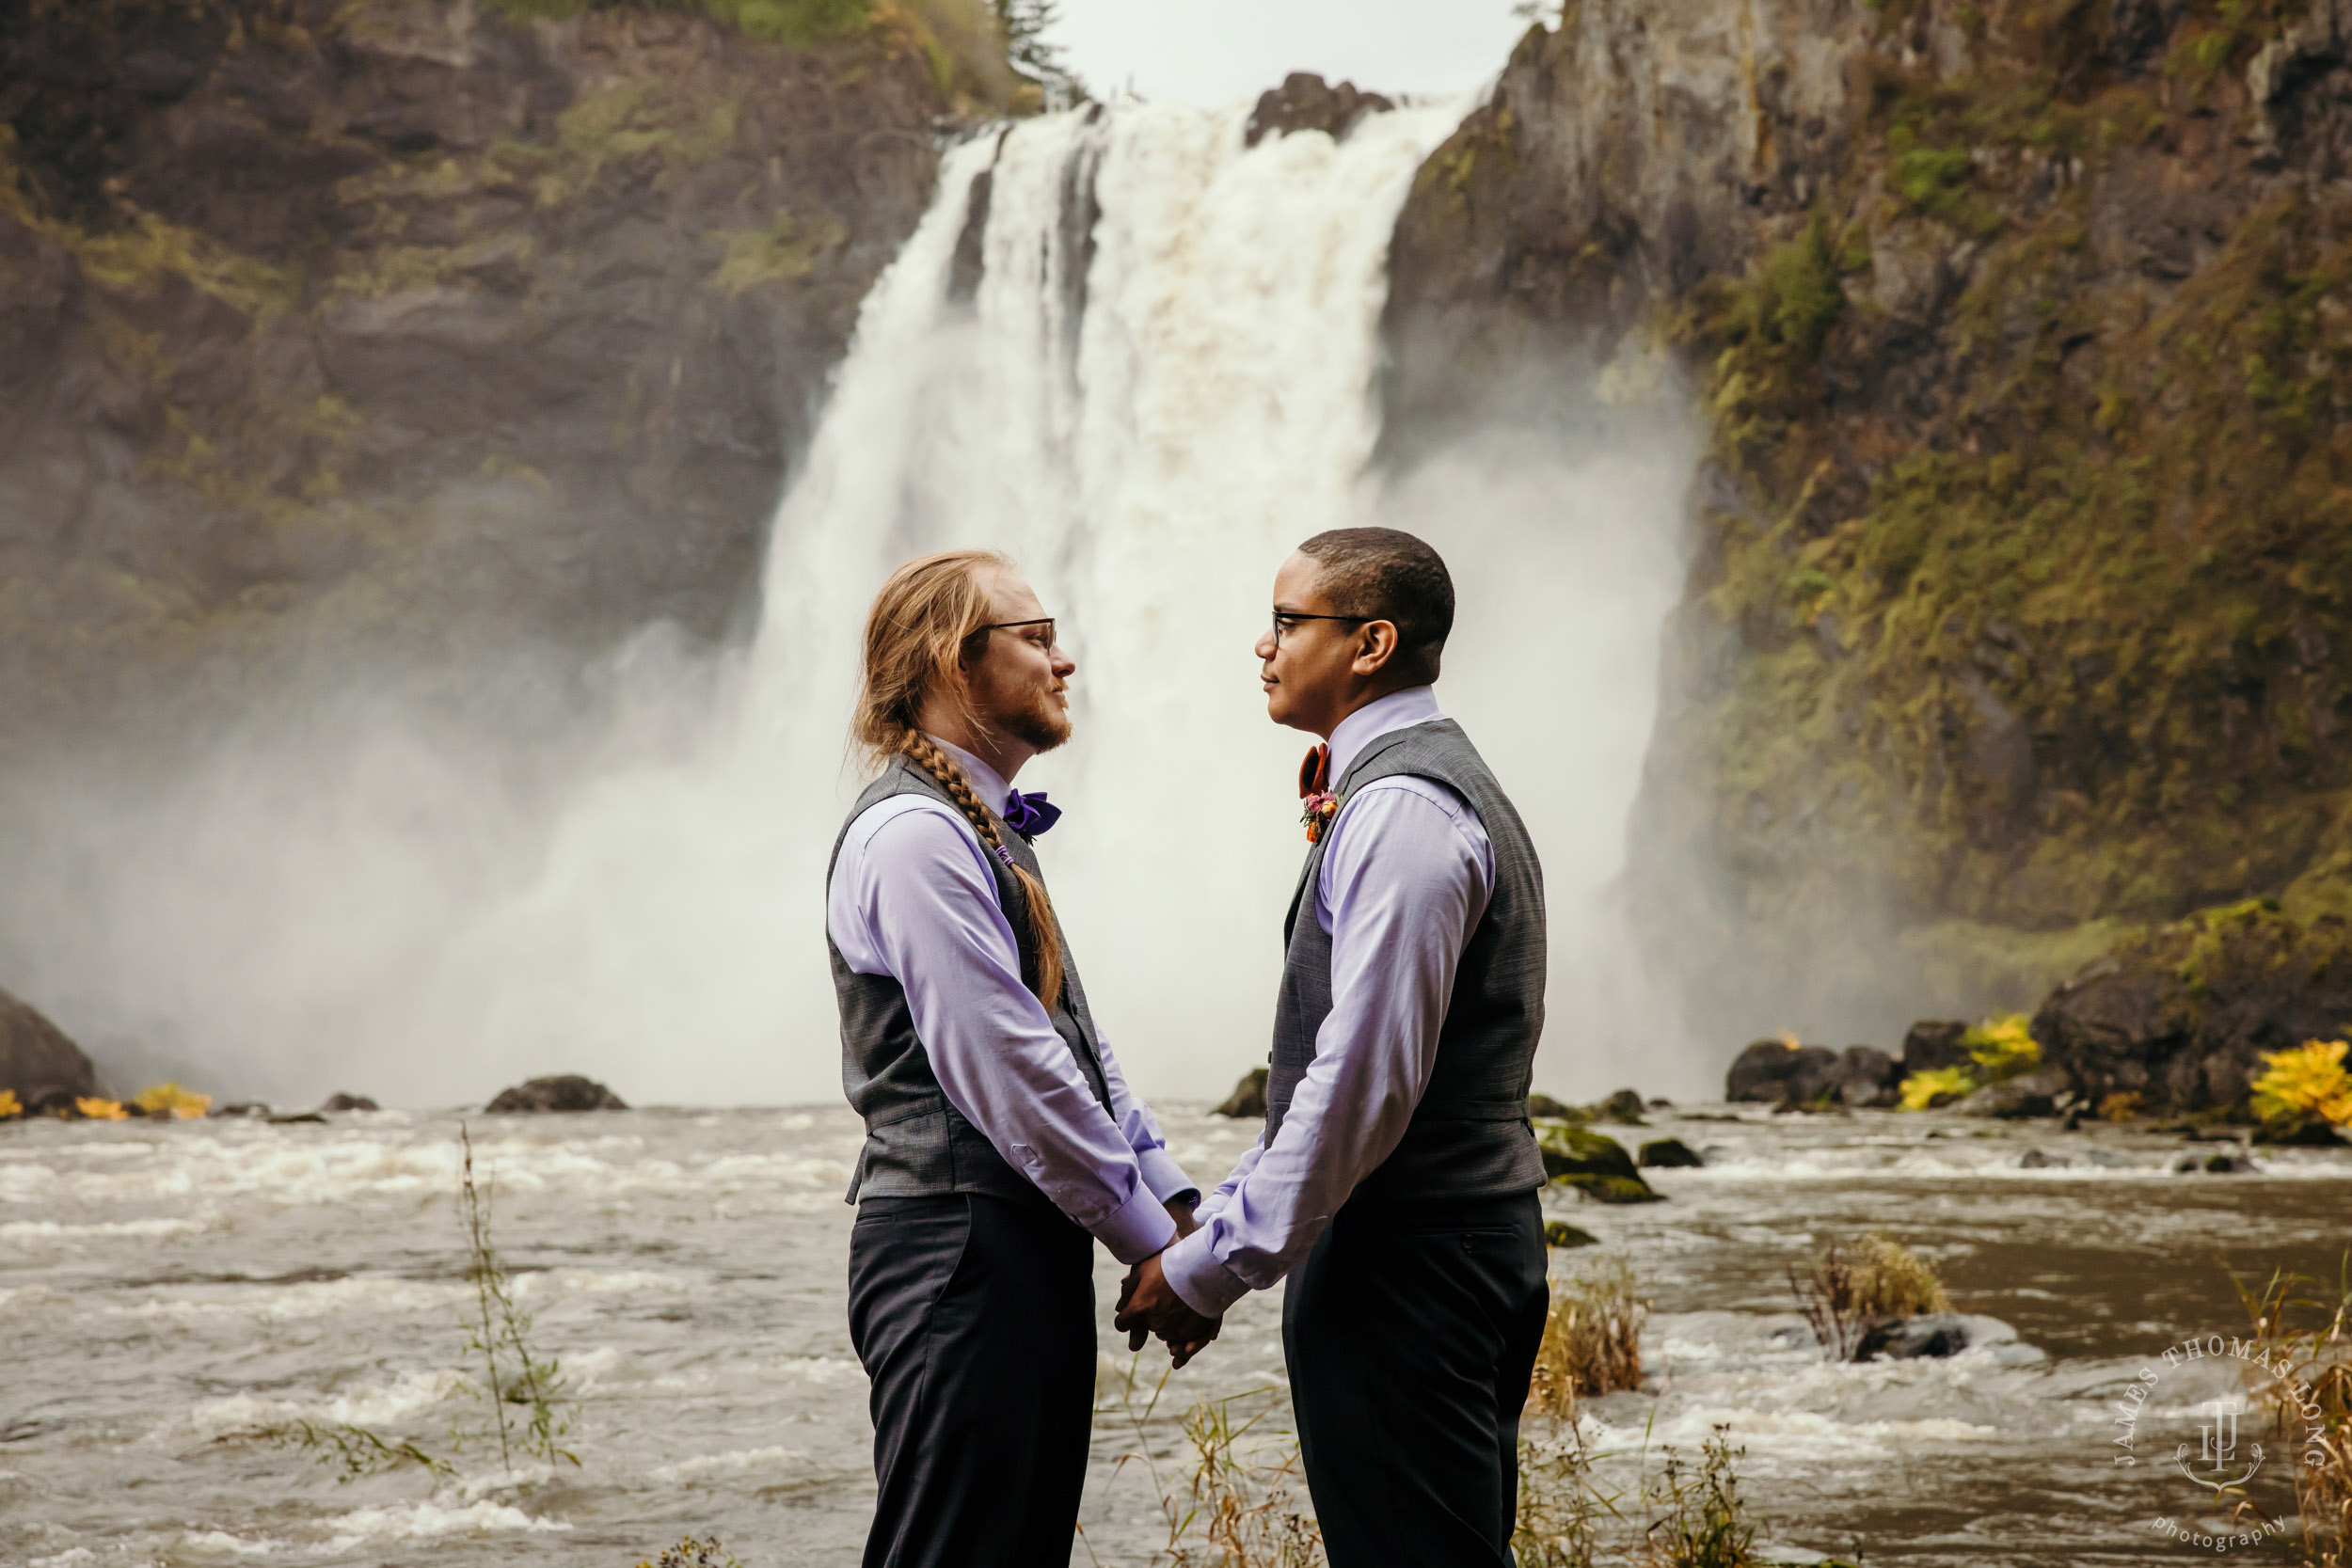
(1149,1306)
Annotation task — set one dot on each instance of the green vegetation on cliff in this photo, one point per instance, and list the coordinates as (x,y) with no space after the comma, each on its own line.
(2020,612)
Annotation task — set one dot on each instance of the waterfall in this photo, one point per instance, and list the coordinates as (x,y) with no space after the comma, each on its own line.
(1158,378)
(1162,380)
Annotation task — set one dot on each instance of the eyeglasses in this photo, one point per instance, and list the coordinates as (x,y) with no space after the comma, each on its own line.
(1286,619)
(1046,640)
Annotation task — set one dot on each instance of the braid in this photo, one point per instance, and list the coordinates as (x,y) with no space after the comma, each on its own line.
(1044,934)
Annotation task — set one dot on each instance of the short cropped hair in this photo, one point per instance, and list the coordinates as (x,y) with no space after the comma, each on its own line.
(1385,574)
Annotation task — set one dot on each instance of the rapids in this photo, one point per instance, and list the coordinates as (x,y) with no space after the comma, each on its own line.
(167,1285)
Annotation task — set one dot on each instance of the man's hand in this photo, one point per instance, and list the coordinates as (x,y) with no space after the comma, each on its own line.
(1180,1210)
(1148,1305)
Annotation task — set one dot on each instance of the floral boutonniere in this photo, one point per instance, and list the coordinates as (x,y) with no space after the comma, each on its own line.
(1321,807)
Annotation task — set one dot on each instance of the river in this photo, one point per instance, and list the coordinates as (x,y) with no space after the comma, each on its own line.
(166,1287)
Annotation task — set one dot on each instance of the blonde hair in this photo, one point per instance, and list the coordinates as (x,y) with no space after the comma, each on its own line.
(920,635)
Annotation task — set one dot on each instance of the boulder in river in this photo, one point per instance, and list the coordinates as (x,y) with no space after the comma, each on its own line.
(1592,1163)
(1669,1154)
(1560,1233)
(1248,1095)
(1625,1108)
(43,1069)
(340,1102)
(1781,1072)
(1905,1338)
(1933,1044)
(2035,1094)
(1868,1077)
(1543,1106)
(566,1092)
(2184,1015)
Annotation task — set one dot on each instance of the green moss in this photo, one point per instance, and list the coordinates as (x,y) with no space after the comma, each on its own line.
(799,22)
(784,252)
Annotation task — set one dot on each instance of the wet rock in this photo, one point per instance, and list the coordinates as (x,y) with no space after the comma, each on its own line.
(1543,1105)
(2035,1094)
(298,1118)
(1867,1077)
(241,1110)
(2184,1015)
(339,1102)
(1305,101)
(566,1092)
(1669,1154)
(1560,1233)
(2034,1158)
(38,1063)
(1930,1334)
(1248,1095)
(2228,1165)
(1933,1043)
(1781,1072)
(1594,1163)
(1625,1108)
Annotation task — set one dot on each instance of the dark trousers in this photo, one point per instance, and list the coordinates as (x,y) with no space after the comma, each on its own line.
(975,1320)
(1410,1335)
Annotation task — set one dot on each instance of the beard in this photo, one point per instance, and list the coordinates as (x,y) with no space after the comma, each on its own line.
(1041,721)
(1031,714)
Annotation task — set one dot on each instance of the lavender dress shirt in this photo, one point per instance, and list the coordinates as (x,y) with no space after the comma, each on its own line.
(912,897)
(1406,873)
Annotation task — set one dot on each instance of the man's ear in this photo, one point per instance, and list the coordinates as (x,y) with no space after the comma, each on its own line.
(1376,647)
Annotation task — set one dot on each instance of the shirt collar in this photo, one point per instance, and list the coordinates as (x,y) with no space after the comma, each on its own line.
(993,790)
(1415,705)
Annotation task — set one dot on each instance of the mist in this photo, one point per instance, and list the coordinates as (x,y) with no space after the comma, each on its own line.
(368,885)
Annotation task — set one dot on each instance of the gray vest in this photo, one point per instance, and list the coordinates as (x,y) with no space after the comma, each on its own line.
(917,1145)
(1469,1137)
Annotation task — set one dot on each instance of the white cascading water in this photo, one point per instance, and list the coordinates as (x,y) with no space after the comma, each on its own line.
(1148,412)
(1149,446)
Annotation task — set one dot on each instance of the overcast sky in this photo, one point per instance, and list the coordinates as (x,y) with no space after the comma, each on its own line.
(1210,51)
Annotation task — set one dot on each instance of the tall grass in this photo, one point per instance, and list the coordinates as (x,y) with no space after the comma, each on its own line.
(1239,1501)
(2309,1390)
(1848,1290)
(1592,1339)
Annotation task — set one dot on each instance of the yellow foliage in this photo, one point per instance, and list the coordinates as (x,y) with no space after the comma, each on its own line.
(185,1104)
(1920,1089)
(11,1108)
(2002,1048)
(99,1110)
(2305,1083)
(2122,1106)
(1592,1339)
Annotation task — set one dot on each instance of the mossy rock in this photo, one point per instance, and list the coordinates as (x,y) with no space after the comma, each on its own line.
(1625,1108)
(1670,1155)
(1593,1162)
(1560,1233)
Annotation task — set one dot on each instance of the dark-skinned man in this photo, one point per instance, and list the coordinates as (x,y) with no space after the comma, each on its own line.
(1395,1186)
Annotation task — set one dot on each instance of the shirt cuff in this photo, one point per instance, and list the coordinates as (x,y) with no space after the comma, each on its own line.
(1203,1283)
(1165,1177)
(1139,1228)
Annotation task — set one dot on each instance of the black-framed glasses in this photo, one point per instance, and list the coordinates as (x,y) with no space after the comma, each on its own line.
(1048,641)
(1284,619)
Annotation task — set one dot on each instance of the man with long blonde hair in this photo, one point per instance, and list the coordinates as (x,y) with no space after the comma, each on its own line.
(1000,1135)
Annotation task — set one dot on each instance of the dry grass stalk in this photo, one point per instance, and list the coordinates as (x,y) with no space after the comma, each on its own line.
(1243,1502)
(1848,1289)
(1592,1339)
(2306,1379)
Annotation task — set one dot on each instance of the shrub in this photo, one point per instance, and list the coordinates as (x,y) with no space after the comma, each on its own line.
(693,1552)
(10,1108)
(171,1099)
(1704,1524)
(99,1110)
(1592,1339)
(1848,1290)
(2122,1106)
(2308,1082)
(2308,1387)
(2000,1048)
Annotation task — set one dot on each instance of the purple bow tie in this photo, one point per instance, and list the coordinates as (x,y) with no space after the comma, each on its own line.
(1029,814)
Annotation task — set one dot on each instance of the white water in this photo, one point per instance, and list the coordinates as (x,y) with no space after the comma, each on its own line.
(1149,460)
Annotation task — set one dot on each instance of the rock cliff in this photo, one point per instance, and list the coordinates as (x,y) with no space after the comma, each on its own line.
(2019,607)
(432,321)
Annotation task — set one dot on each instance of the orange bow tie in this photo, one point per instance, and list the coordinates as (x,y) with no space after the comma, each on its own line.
(1314,774)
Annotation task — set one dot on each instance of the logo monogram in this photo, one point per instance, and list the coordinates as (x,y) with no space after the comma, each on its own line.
(2218,1449)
